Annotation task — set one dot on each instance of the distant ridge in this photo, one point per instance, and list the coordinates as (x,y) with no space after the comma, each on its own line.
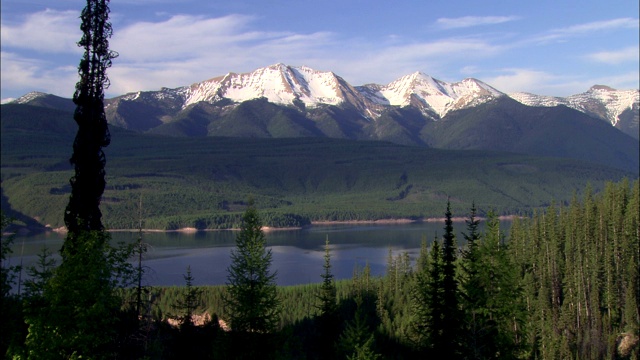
(281,101)
(308,88)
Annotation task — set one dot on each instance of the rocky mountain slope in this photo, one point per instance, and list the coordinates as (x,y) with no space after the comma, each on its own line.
(281,101)
(619,107)
(306,89)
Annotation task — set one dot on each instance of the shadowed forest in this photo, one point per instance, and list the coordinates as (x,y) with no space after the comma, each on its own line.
(564,283)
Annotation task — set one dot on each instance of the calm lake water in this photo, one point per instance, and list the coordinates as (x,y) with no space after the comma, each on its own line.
(297,254)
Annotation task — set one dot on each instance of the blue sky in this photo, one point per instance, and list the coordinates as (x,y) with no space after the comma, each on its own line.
(545,47)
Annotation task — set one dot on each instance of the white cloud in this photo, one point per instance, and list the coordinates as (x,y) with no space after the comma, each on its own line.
(242,50)
(181,36)
(623,81)
(25,74)
(186,49)
(470,21)
(442,50)
(183,49)
(45,31)
(516,80)
(545,83)
(587,28)
(629,54)
(469,70)
(622,23)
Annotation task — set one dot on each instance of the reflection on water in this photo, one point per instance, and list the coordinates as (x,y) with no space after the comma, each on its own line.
(297,254)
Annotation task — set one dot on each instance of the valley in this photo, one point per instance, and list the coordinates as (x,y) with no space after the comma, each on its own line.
(308,146)
(204,182)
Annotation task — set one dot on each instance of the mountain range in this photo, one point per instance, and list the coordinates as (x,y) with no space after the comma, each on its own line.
(599,125)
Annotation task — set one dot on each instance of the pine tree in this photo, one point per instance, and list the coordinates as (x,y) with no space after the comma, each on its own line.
(7,273)
(420,300)
(188,302)
(328,321)
(473,295)
(427,301)
(252,303)
(80,307)
(503,309)
(10,324)
(78,313)
(189,339)
(327,295)
(357,339)
(88,183)
(451,315)
(39,275)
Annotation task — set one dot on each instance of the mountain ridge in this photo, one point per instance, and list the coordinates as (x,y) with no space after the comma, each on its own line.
(306,88)
(282,101)
(611,103)
(201,181)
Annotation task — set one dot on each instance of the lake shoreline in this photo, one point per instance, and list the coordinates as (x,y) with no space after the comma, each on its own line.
(402,221)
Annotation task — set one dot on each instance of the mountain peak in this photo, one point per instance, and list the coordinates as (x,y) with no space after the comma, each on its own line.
(303,86)
(437,96)
(601,88)
(278,66)
(24,99)
(599,101)
(279,83)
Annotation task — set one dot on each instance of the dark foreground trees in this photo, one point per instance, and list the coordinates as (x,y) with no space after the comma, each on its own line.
(493,309)
(252,304)
(579,270)
(563,285)
(78,311)
(75,311)
(87,185)
(328,321)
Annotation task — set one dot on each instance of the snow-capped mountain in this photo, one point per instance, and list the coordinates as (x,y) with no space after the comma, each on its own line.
(432,95)
(288,85)
(311,90)
(279,84)
(27,98)
(282,101)
(599,101)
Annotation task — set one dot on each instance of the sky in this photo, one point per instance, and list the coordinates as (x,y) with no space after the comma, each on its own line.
(555,48)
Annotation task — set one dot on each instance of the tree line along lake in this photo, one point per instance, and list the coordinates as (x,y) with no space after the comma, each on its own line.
(297,253)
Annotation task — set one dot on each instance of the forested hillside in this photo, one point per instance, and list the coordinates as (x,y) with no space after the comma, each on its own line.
(204,182)
(564,283)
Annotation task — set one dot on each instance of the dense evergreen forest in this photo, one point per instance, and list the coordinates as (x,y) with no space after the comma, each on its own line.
(564,284)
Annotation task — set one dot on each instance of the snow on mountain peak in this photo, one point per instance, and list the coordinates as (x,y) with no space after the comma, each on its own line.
(595,88)
(436,95)
(289,85)
(600,101)
(25,99)
(278,83)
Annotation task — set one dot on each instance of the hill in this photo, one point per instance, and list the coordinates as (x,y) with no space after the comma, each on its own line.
(506,125)
(414,110)
(203,182)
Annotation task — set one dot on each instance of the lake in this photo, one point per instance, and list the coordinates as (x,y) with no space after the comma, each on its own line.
(298,255)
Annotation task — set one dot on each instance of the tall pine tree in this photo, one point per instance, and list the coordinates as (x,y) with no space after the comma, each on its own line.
(252,303)
(80,307)
(473,295)
(87,185)
(427,299)
(451,314)
(328,321)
